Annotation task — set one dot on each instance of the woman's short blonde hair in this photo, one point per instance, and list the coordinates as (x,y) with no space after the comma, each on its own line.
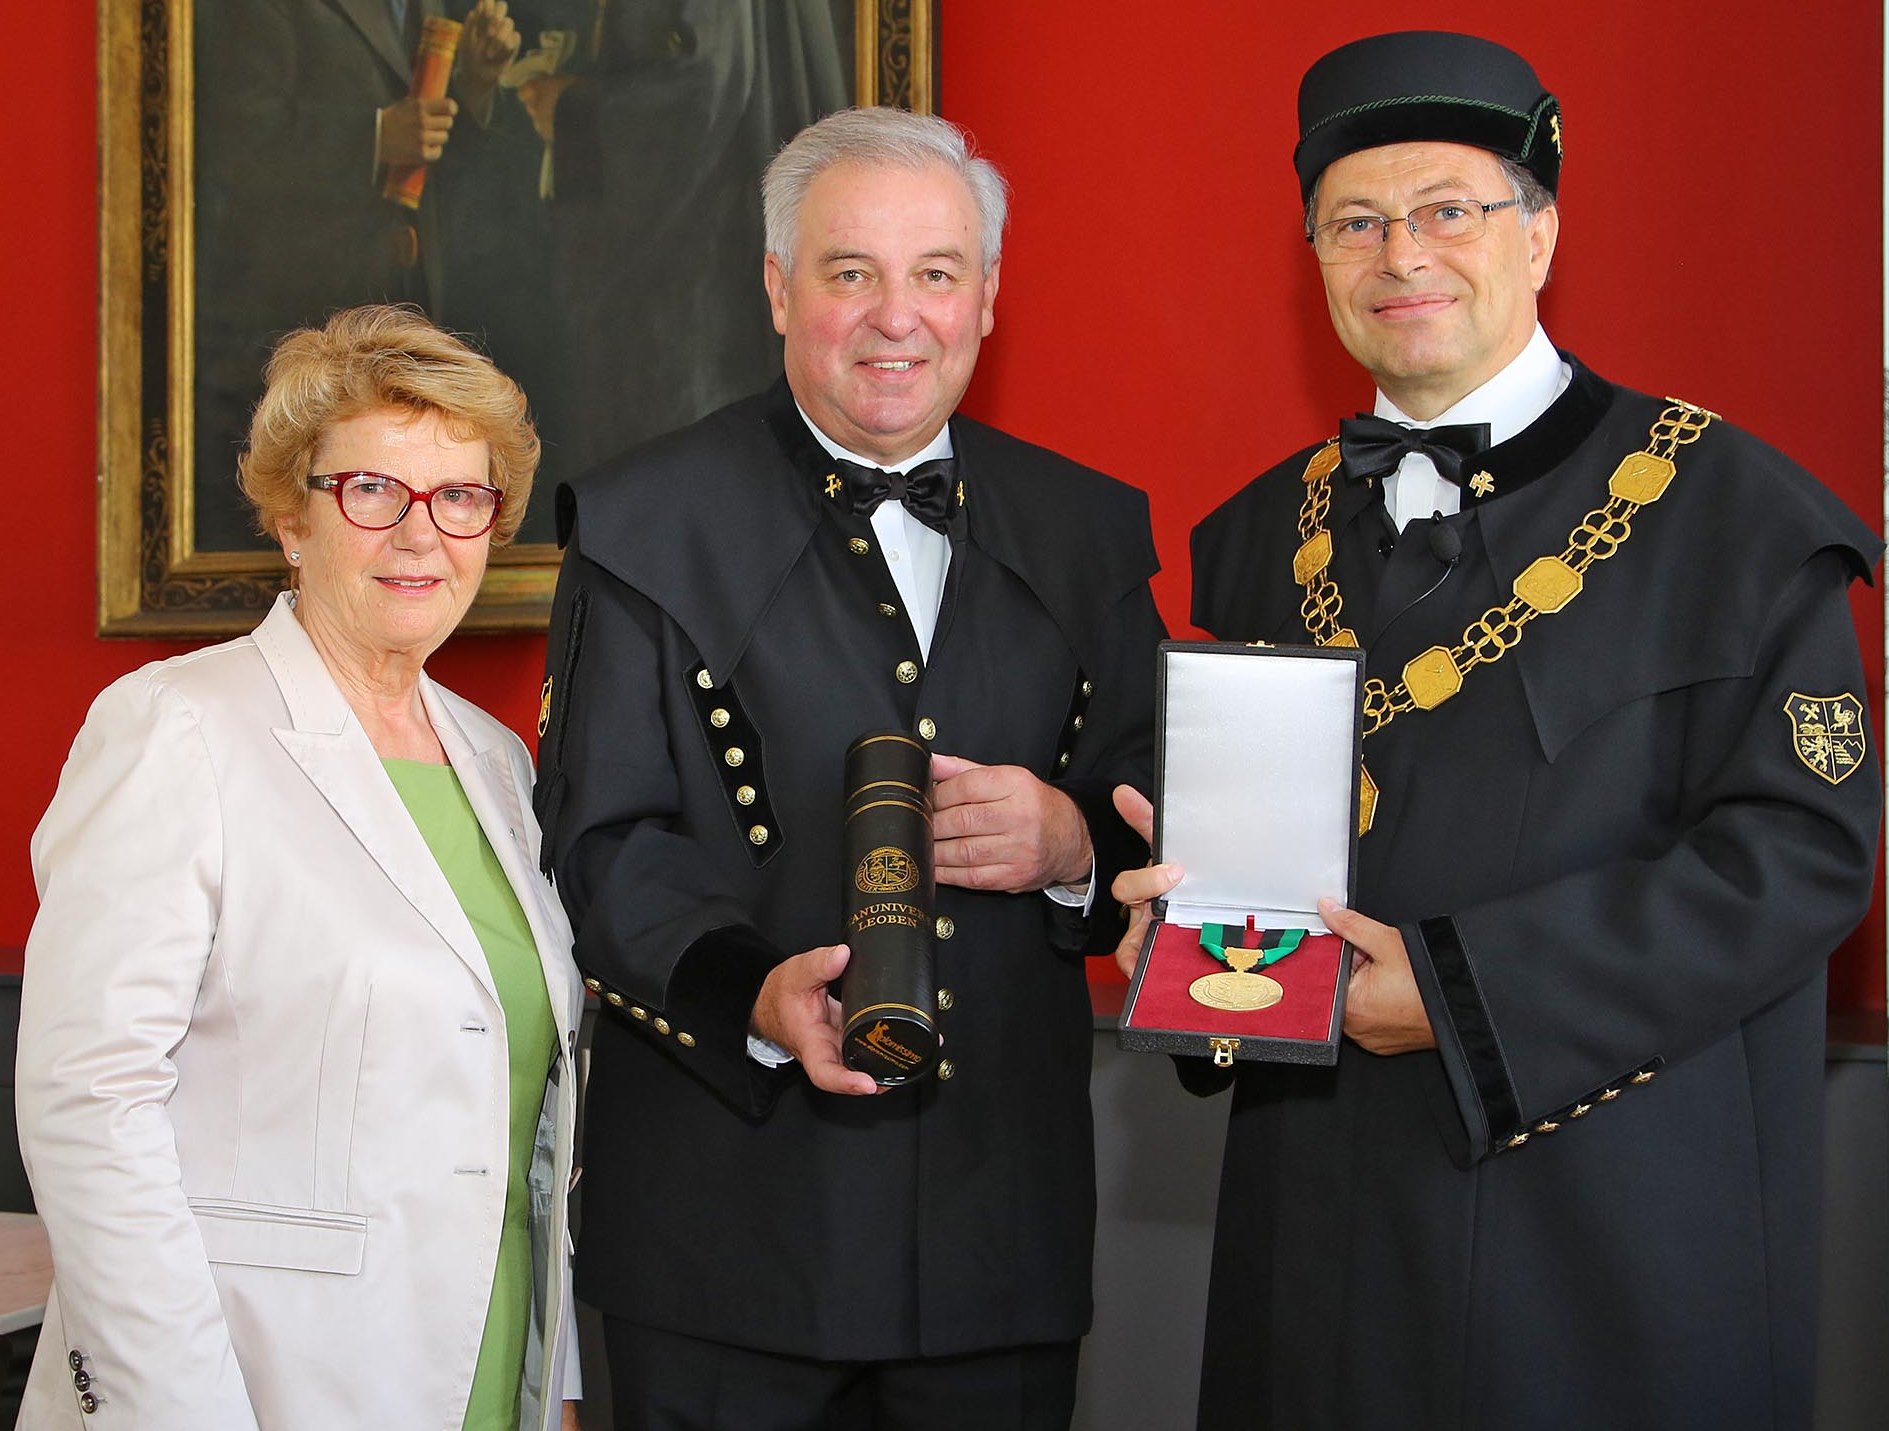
(373,357)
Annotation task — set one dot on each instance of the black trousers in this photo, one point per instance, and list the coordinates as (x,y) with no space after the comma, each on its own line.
(662,1381)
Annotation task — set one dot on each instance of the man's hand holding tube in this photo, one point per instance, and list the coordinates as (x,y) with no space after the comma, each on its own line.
(998,827)
(995,827)
(795,1012)
(414,131)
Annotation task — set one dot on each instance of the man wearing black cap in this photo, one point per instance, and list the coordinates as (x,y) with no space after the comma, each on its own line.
(1625,802)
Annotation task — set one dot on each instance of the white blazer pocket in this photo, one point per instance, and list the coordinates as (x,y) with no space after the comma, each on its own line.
(254,1234)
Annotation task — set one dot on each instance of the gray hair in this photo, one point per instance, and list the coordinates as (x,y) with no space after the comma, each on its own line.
(878,137)
(1531,196)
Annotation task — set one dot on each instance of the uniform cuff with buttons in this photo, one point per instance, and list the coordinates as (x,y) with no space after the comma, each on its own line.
(711,994)
(1493,1117)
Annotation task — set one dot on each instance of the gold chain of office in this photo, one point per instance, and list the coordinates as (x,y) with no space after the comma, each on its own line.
(1548,584)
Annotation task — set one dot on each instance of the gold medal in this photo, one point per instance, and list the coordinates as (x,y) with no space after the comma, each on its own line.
(1235,992)
(1236,989)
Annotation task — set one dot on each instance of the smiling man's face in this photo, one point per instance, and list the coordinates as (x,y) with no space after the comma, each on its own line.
(885,306)
(1433,324)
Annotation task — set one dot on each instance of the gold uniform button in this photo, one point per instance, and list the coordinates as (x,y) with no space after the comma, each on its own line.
(907,672)
(947,1069)
(734,755)
(1646,1077)
(661,1026)
(704,680)
(886,608)
(639,1013)
(1518,1140)
(928,728)
(1076,724)
(945,1000)
(1088,688)
(613,998)
(1062,761)
(757,834)
(687,1040)
(594,985)
(744,795)
(718,717)
(945,926)
(859,546)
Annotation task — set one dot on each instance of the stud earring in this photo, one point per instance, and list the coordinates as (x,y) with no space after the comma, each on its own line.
(295,558)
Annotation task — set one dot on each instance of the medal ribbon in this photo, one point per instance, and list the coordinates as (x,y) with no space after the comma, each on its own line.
(1271,944)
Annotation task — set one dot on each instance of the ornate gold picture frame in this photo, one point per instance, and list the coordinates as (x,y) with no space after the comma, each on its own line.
(156,578)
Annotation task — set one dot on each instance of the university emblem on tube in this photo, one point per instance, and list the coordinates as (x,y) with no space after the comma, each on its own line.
(886,870)
(1827,732)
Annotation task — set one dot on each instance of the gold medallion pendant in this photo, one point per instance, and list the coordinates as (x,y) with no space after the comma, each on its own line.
(1235,992)
(1236,989)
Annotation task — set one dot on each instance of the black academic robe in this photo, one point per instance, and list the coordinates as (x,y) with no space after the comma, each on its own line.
(1619,871)
(722,632)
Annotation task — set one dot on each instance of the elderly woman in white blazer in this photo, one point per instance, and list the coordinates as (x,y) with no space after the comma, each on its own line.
(295,1079)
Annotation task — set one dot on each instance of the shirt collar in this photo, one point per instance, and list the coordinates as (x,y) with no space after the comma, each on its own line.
(1509,401)
(939,446)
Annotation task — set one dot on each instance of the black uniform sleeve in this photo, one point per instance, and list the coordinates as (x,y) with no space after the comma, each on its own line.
(1115,746)
(1553,998)
(659,937)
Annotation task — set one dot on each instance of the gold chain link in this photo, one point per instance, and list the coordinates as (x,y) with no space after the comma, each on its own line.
(1323,605)
(1495,633)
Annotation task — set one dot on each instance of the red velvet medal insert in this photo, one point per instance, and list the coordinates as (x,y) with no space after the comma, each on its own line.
(1309,976)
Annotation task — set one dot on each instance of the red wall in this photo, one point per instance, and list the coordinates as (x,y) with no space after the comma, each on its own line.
(1160,317)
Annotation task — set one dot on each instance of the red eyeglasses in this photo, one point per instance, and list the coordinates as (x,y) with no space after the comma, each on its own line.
(374,502)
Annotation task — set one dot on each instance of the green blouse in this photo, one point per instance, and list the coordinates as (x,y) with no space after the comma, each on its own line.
(438,804)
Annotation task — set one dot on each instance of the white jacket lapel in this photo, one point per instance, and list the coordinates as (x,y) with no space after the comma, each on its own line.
(333,751)
(490,781)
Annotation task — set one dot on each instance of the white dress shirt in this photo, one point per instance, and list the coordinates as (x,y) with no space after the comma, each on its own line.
(917,556)
(1508,402)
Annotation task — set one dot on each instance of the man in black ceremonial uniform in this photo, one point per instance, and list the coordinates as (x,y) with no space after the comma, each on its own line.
(738,602)
(1626,801)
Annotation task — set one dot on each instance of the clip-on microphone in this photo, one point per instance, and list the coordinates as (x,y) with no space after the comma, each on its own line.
(1446,545)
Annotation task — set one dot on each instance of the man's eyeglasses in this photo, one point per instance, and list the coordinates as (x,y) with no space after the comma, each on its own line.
(374,502)
(1438,225)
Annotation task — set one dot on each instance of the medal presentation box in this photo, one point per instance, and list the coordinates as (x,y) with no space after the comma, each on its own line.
(1257,801)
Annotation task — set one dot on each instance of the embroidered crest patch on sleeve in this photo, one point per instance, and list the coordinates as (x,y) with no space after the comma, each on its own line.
(1827,732)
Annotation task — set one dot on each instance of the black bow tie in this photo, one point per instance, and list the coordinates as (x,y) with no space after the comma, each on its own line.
(1373,446)
(928,491)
